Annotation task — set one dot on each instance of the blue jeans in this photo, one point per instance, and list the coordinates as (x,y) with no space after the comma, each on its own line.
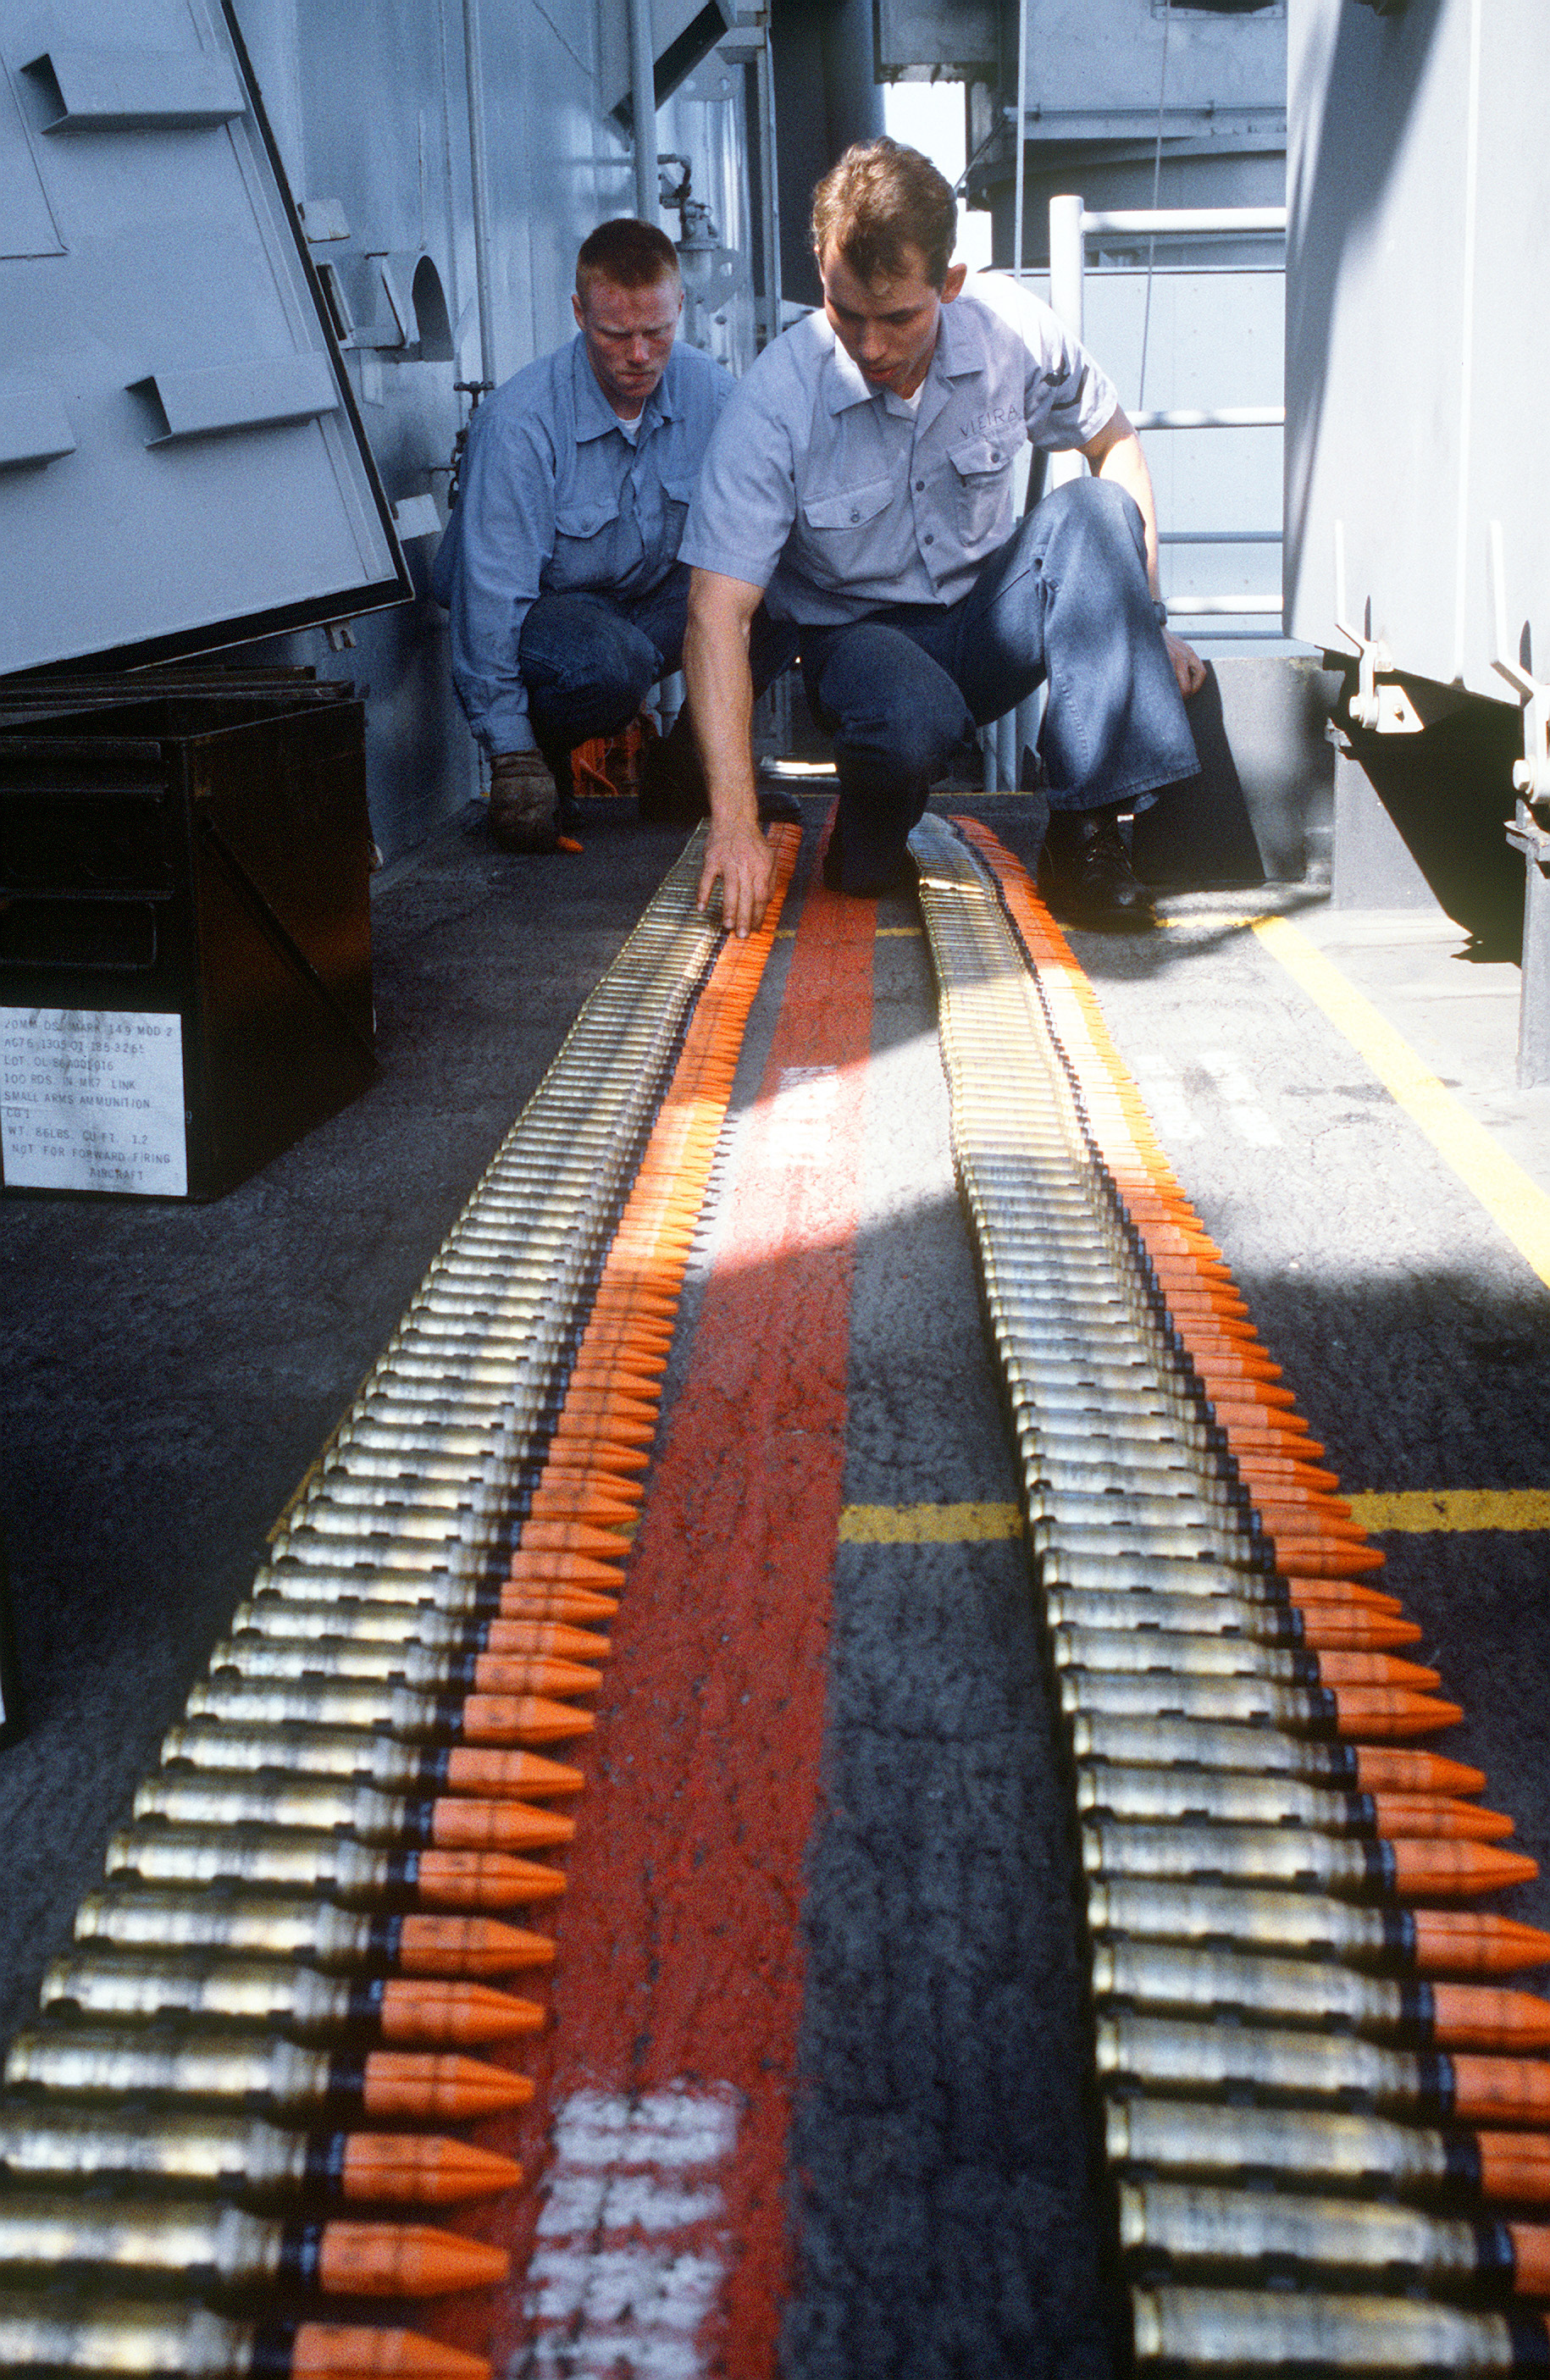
(1064,599)
(588,661)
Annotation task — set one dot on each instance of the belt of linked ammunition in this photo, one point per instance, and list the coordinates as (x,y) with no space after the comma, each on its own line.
(262,2032)
(1326,2129)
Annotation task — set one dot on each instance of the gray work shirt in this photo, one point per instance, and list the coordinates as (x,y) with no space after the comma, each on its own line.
(837,498)
(555,499)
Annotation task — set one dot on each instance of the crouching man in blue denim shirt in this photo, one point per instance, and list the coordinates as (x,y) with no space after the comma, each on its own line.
(860,484)
(560,563)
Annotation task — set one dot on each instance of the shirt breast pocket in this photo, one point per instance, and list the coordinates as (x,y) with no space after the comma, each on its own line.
(584,542)
(843,530)
(982,482)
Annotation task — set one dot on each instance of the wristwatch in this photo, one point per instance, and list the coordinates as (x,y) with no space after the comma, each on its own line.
(1159,611)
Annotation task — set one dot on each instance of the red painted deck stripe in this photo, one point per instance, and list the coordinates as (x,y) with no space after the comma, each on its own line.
(679,1956)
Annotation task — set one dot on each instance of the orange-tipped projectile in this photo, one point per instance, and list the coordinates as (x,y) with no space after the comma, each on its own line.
(1460,1941)
(1374,1669)
(494,1673)
(422,2011)
(1513,2090)
(1486,2017)
(1514,2165)
(1342,1593)
(1332,1628)
(469,1945)
(530,1718)
(1391,1711)
(484,1880)
(1454,1871)
(421,2169)
(558,1639)
(334,2350)
(458,1825)
(571,1538)
(1440,1818)
(398,2084)
(527,1598)
(398,2260)
(1314,1557)
(556,1571)
(507,1776)
(1384,1770)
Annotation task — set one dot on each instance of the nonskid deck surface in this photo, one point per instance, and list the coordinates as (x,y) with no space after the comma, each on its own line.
(821,1918)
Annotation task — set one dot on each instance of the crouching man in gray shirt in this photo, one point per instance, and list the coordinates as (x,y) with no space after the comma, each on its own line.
(859,483)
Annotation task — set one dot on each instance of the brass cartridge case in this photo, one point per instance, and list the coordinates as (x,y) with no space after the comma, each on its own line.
(1193,2229)
(1154,1909)
(325,1702)
(1165,1979)
(426,1667)
(332,1864)
(113,2061)
(1167,1694)
(201,2246)
(1242,2332)
(1302,2146)
(252,1924)
(1165,2054)
(41,2333)
(1264,1618)
(320,1804)
(1066,1507)
(316,1753)
(1248,1855)
(110,1982)
(54,2141)
(1119,1652)
(1171,1797)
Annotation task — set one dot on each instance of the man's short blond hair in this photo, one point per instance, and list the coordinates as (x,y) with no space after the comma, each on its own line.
(880,200)
(626,254)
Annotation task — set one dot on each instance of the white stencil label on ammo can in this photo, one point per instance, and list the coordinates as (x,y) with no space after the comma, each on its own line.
(92,1098)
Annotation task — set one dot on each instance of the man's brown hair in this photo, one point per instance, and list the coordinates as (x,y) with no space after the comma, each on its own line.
(879,199)
(627,252)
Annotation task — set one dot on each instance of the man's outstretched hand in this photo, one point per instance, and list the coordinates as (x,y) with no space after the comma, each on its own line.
(1188,667)
(737,852)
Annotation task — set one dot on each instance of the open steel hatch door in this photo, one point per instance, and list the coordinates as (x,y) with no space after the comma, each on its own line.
(181,462)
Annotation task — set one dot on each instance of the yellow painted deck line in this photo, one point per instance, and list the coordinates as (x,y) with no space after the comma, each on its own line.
(1514,1202)
(1425,1510)
(928,1524)
(1416,1511)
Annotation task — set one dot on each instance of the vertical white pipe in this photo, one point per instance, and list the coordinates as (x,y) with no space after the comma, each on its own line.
(1020,167)
(479,173)
(1065,260)
(643,105)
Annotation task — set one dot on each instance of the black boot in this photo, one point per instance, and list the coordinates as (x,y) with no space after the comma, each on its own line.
(1085,875)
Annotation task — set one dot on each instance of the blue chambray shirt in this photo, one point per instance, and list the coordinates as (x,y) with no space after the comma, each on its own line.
(554,499)
(837,498)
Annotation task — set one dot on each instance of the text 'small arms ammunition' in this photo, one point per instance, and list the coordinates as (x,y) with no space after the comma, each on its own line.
(49,2331)
(225,2248)
(242,2156)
